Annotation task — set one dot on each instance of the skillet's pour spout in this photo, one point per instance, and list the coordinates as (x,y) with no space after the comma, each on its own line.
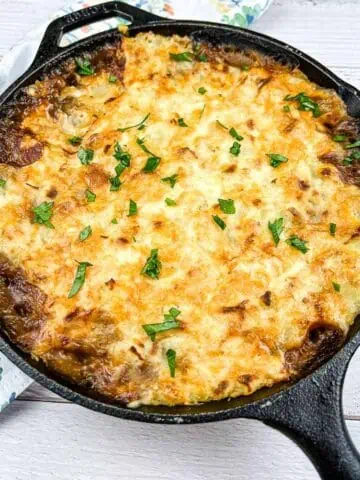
(311,414)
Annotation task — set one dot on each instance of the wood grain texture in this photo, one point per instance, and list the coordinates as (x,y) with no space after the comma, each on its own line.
(43,437)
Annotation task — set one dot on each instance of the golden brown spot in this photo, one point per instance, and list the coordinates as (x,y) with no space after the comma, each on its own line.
(135,352)
(250,123)
(303,185)
(326,172)
(123,240)
(221,387)
(110,284)
(290,125)
(96,176)
(257,202)
(230,168)
(52,193)
(266,298)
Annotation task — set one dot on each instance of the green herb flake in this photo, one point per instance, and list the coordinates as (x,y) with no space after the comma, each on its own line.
(43,214)
(245,68)
(182,57)
(201,57)
(297,243)
(141,143)
(114,221)
(152,266)
(133,210)
(171,359)
(219,222)
(202,90)
(332,229)
(227,206)
(181,123)
(79,279)
(171,180)
(336,286)
(112,79)
(2,183)
(84,67)
(305,103)
(90,196)
(151,164)
(170,322)
(139,125)
(339,138)
(276,159)
(235,135)
(170,202)
(75,140)
(115,183)
(121,155)
(276,229)
(353,145)
(85,233)
(347,161)
(286,108)
(86,156)
(222,125)
(235,149)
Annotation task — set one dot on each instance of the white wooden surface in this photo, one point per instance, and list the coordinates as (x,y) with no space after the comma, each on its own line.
(43,437)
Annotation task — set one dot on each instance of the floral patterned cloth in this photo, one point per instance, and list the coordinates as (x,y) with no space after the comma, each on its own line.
(241,13)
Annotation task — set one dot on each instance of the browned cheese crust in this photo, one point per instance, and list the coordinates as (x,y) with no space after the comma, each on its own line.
(253,291)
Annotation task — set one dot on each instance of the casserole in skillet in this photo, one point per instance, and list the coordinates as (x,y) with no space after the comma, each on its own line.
(179,222)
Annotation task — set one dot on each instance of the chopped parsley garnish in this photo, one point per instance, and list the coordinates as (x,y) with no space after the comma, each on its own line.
(245,68)
(235,135)
(151,164)
(297,243)
(353,156)
(112,79)
(79,278)
(235,149)
(2,183)
(171,359)
(276,159)
(114,221)
(170,322)
(276,229)
(202,90)
(181,123)
(137,125)
(353,145)
(85,233)
(189,56)
(171,180)
(220,222)
(182,57)
(227,206)
(332,229)
(133,210)
(305,103)
(222,125)
(90,196)
(122,156)
(43,214)
(286,108)
(336,286)
(152,266)
(339,138)
(86,156)
(123,159)
(75,140)
(84,67)
(115,183)
(170,202)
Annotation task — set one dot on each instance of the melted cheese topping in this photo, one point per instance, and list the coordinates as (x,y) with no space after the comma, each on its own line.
(220,351)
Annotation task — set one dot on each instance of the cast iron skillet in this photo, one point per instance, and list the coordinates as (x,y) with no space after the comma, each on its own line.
(309,411)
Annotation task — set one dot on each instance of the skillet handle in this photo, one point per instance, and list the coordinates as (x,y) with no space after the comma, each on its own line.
(49,45)
(311,414)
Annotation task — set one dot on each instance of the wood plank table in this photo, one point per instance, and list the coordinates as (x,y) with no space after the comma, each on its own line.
(43,437)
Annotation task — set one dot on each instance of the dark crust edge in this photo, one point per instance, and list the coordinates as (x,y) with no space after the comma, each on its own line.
(108,57)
